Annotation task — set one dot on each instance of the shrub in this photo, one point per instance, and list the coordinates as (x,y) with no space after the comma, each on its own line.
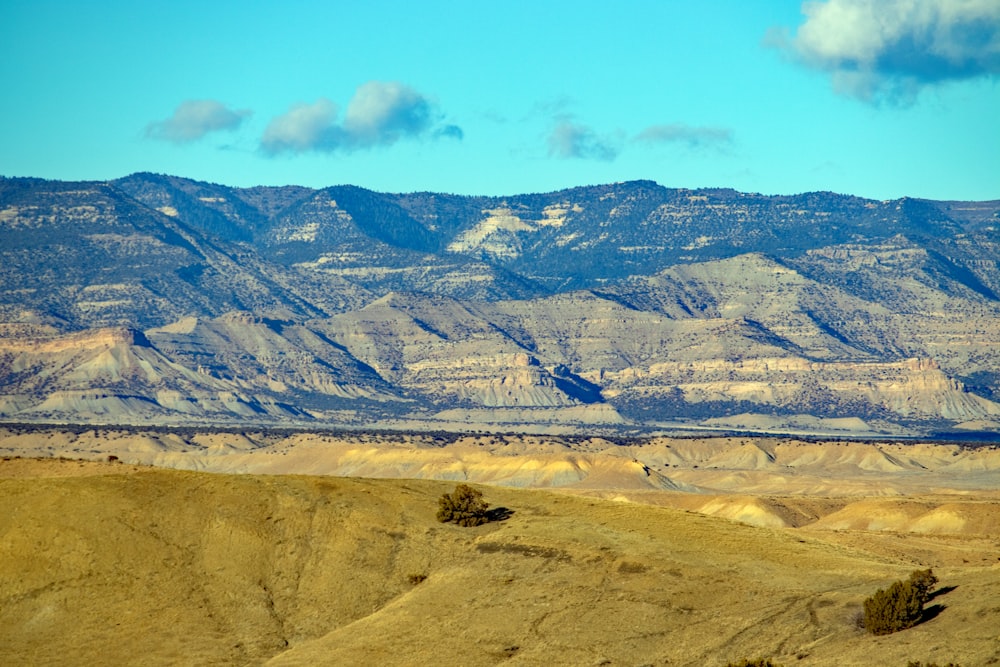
(464,506)
(759,662)
(900,606)
(917,663)
(924,581)
(896,608)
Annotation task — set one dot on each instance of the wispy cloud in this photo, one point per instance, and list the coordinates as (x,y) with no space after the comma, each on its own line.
(570,139)
(380,114)
(450,132)
(193,119)
(891,49)
(682,133)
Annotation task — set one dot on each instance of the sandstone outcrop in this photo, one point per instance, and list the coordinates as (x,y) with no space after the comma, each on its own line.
(161,299)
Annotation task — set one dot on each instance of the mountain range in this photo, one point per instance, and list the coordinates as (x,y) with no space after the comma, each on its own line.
(629,306)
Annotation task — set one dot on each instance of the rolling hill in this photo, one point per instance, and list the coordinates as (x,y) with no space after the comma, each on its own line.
(114,563)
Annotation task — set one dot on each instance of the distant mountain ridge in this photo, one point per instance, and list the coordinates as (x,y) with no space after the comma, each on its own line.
(627,304)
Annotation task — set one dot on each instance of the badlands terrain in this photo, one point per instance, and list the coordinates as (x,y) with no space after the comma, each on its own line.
(631,307)
(143,546)
(711,423)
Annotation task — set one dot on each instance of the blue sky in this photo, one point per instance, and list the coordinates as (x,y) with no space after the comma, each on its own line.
(880,98)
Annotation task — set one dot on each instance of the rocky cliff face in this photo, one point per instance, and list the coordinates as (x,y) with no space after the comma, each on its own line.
(156,298)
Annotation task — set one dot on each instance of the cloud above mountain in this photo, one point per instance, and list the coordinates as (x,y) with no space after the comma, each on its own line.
(570,139)
(876,49)
(380,114)
(682,133)
(303,127)
(193,119)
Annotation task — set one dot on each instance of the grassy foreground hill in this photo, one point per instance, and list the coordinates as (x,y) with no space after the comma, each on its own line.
(117,564)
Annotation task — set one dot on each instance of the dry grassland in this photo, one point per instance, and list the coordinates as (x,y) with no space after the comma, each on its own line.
(112,563)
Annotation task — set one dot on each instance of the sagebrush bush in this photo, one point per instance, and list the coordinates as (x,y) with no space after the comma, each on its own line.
(924,581)
(464,506)
(900,606)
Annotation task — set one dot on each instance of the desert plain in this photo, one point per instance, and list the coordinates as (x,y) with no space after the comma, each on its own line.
(163,547)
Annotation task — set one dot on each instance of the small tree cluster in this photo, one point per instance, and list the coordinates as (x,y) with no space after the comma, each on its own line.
(464,506)
(900,606)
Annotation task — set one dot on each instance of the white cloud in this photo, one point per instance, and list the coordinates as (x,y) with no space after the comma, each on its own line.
(893,48)
(302,127)
(693,136)
(569,139)
(380,114)
(193,119)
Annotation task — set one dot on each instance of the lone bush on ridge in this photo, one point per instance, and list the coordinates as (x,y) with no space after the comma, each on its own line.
(464,506)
